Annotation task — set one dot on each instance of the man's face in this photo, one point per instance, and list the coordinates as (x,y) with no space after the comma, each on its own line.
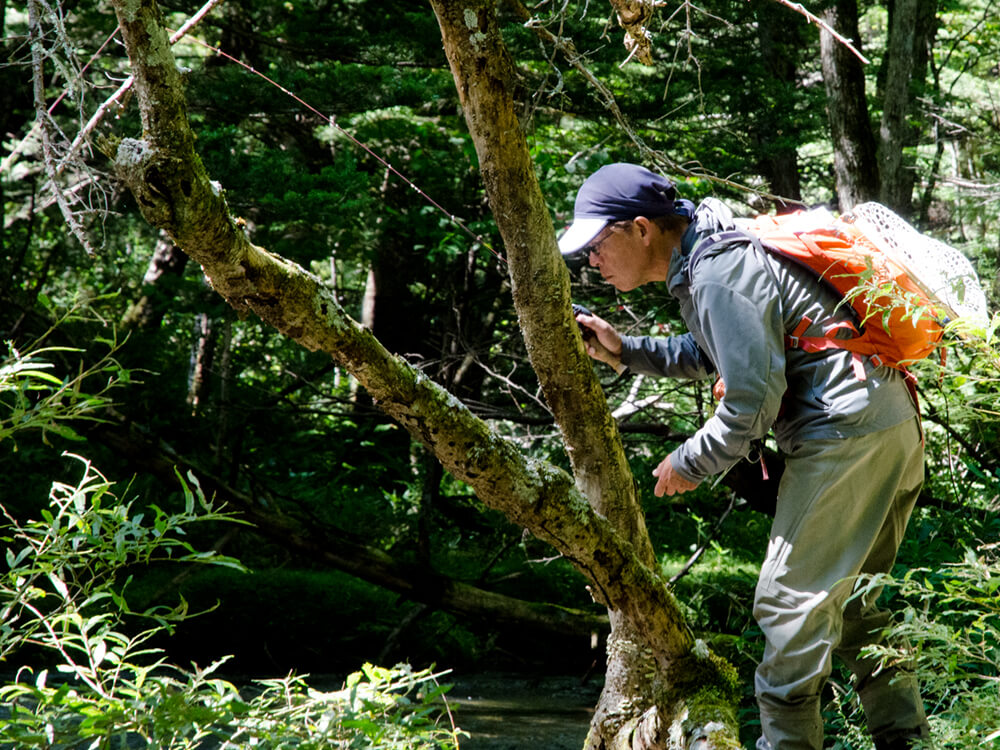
(617,254)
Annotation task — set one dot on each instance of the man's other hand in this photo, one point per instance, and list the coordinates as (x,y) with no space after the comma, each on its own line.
(668,481)
(719,390)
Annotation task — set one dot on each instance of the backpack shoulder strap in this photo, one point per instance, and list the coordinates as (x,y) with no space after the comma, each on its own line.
(731,237)
(795,339)
(720,239)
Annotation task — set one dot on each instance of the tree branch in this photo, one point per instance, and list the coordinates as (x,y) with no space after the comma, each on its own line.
(45,125)
(798,8)
(175,194)
(102,110)
(344,553)
(607,97)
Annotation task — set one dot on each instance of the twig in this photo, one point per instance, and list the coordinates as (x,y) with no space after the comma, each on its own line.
(127,84)
(9,160)
(655,157)
(45,123)
(798,8)
(58,643)
(701,550)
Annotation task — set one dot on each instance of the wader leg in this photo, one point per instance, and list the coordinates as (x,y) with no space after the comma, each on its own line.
(890,697)
(842,510)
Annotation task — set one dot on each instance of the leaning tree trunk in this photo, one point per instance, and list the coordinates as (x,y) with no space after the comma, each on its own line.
(329,546)
(854,148)
(680,691)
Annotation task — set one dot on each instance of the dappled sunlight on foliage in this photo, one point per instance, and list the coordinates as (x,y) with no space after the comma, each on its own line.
(208,408)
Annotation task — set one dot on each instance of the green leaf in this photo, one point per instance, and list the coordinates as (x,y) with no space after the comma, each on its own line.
(100,651)
(60,586)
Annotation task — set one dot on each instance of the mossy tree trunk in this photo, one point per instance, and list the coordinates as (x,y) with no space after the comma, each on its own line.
(662,690)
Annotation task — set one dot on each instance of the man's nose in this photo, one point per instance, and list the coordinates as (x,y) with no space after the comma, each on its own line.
(594,259)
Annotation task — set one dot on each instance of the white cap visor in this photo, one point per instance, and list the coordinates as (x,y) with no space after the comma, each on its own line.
(580,232)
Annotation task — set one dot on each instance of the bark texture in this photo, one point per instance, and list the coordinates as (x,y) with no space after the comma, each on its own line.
(897,175)
(870,165)
(692,692)
(854,148)
(912,25)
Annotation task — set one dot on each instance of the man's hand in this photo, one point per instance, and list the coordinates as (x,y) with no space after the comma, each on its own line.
(603,344)
(668,481)
(719,390)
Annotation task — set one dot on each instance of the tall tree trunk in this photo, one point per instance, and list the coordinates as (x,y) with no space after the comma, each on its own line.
(896,173)
(200,367)
(779,35)
(167,261)
(855,161)
(911,30)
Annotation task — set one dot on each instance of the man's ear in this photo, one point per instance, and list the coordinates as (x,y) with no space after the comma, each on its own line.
(644,226)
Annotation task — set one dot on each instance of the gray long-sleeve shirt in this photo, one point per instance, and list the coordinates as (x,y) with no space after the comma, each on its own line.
(737,312)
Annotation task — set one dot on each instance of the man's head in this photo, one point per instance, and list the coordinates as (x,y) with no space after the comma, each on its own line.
(625,222)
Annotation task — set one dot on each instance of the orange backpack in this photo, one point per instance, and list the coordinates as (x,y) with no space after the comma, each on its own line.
(900,323)
(897,322)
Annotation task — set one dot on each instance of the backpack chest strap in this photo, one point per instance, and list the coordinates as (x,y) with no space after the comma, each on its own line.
(858,348)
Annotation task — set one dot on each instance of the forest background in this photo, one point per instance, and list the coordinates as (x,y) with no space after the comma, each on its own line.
(361,547)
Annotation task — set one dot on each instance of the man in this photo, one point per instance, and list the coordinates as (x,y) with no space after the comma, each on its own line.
(851,437)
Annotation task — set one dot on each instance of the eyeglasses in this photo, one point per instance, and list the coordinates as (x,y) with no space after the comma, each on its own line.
(595,246)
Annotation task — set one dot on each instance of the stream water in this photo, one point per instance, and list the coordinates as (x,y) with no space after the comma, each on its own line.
(503,711)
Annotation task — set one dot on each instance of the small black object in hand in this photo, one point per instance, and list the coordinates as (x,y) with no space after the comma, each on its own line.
(581,310)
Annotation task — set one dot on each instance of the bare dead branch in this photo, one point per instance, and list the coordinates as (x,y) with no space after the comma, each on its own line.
(92,123)
(46,125)
(686,568)
(798,8)
(81,137)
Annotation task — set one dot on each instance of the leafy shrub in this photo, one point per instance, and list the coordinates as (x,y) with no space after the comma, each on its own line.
(62,604)
(949,634)
(62,595)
